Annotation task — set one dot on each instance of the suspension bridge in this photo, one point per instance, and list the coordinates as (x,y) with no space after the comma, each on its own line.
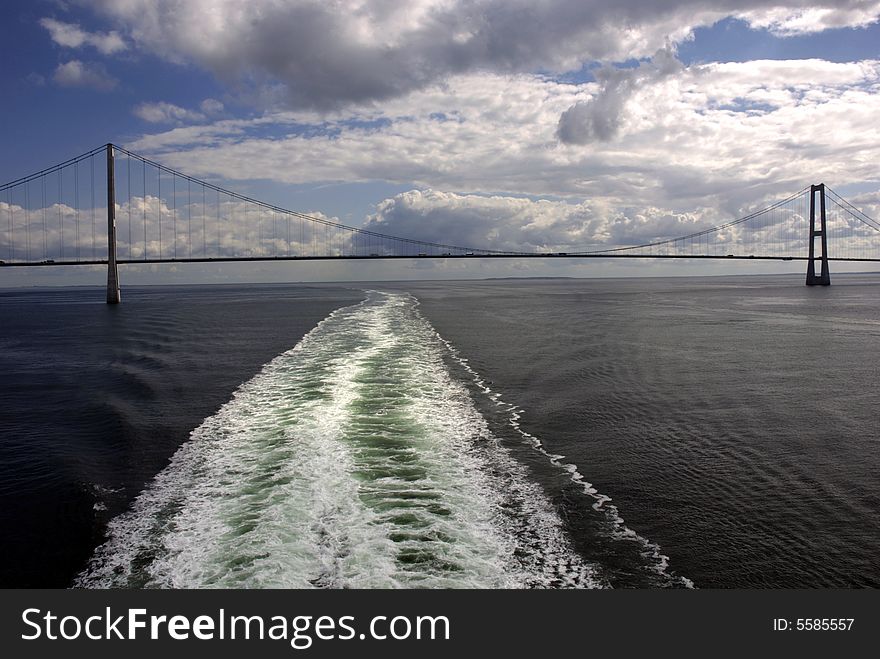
(112,207)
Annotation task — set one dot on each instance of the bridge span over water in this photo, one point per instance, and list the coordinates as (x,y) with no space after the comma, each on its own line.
(110,206)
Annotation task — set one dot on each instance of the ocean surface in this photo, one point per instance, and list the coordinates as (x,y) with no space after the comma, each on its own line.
(707,432)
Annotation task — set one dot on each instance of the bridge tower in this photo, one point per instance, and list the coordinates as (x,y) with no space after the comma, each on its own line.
(824,276)
(113,295)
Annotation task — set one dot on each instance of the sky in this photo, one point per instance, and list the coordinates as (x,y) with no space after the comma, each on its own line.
(457,121)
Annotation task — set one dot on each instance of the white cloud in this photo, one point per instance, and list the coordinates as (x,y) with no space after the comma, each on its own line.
(165,113)
(644,151)
(724,134)
(212,106)
(600,117)
(869,203)
(504,223)
(527,225)
(311,53)
(83,74)
(788,21)
(476,136)
(168,113)
(197,226)
(71,35)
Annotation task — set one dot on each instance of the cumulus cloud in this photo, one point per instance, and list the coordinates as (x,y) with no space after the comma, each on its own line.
(788,21)
(71,35)
(168,113)
(211,106)
(504,223)
(76,73)
(727,134)
(311,53)
(600,118)
(524,225)
(153,227)
(868,203)
(157,228)
(165,113)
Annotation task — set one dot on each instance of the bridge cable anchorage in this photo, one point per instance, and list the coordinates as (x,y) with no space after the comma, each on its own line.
(775,232)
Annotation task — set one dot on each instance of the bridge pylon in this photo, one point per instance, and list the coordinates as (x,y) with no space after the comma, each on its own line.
(113,295)
(824,276)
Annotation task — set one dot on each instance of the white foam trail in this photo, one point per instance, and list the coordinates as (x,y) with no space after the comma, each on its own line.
(655,559)
(353,460)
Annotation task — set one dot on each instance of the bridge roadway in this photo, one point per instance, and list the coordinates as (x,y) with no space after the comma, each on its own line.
(352,257)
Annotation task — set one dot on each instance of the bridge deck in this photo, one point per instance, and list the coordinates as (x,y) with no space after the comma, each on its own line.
(350,257)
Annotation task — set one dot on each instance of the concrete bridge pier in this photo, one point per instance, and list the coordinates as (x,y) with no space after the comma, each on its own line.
(824,276)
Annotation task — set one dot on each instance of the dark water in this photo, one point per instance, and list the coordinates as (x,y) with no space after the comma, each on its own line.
(415,437)
(95,399)
(732,420)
